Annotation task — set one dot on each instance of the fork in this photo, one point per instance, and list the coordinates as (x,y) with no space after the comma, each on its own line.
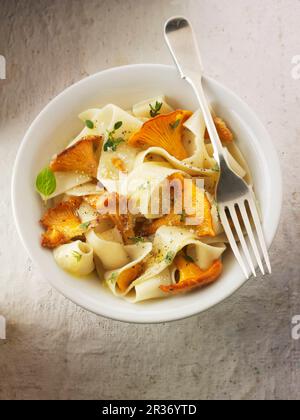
(232,192)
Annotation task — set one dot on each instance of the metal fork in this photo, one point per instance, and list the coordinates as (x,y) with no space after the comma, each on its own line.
(232,193)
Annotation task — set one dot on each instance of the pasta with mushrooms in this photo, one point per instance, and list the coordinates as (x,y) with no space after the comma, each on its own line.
(132,198)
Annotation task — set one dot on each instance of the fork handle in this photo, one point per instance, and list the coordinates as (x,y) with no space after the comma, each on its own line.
(184,48)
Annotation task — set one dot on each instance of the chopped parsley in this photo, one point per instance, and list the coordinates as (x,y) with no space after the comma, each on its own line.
(137,239)
(188,258)
(90,124)
(216,168)
(85,225)
(215,203)
(77,255)
(175,124)
(169,257)
(112,143)
(145,185)
(113,278)
(154,110)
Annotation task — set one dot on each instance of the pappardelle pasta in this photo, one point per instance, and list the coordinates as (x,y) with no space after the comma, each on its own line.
(132,198)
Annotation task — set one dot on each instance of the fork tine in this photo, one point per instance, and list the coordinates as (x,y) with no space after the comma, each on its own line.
(251,236)
(259,231)
(241,237)
(232,241)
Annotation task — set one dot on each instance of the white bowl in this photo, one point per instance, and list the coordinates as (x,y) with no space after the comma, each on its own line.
(124,86)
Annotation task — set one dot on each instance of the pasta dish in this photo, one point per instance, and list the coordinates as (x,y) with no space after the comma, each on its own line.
(132,198)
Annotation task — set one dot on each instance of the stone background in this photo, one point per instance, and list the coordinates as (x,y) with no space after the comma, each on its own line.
(241,349)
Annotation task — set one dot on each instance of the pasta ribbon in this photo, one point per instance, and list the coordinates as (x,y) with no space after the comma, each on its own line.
(76,258)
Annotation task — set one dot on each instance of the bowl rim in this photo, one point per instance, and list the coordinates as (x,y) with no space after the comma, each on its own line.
(129,317)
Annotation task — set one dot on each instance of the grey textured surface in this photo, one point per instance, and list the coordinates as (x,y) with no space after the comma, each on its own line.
(242,348)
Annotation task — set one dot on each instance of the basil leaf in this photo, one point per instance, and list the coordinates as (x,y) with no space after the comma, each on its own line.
(46,182)
(89,124)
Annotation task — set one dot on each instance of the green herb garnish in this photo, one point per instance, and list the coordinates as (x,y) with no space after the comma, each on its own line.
(169,257)
(215,203)
(77,256)
(85,225)
(90,124)
(175,124)
(216,168)
(113,278)
(154,110)
(118,125)
(137,239)
(183,216)
(145,185)
(112,143)
(188,258)
(46,182)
